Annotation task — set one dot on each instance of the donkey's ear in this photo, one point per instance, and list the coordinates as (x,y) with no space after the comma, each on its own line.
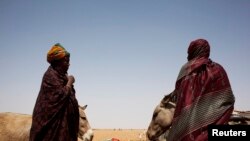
(165,99)
(84,107)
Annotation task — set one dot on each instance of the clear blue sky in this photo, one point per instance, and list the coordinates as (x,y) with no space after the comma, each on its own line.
(125,54)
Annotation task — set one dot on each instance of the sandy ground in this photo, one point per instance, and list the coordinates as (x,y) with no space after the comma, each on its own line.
(121,134)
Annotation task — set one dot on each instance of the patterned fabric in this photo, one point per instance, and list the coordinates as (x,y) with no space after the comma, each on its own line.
(56,114)
(198,48)
(204,96)
(57,52)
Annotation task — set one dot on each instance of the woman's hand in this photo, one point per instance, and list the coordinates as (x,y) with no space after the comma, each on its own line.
(71,80)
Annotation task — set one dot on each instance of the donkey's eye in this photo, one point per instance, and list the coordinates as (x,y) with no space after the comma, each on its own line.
(84,118)
(155,115)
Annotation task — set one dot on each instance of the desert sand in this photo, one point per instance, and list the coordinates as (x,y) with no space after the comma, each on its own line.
(121,134)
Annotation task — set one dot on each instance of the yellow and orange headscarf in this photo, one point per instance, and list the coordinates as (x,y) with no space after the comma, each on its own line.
(57,52)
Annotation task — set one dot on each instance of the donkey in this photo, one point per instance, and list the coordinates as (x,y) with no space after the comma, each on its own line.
(163,115)
(162,119)
(16,127)
(85,131)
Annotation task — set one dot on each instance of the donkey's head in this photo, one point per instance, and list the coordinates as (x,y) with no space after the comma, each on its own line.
(85,131)
(161,119)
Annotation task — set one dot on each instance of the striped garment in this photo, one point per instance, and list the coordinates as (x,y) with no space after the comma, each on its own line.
(204,96)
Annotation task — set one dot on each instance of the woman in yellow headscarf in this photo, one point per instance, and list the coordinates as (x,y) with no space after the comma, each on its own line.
(56,114)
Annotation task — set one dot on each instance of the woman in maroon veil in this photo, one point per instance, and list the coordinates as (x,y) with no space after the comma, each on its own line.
(204,95)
